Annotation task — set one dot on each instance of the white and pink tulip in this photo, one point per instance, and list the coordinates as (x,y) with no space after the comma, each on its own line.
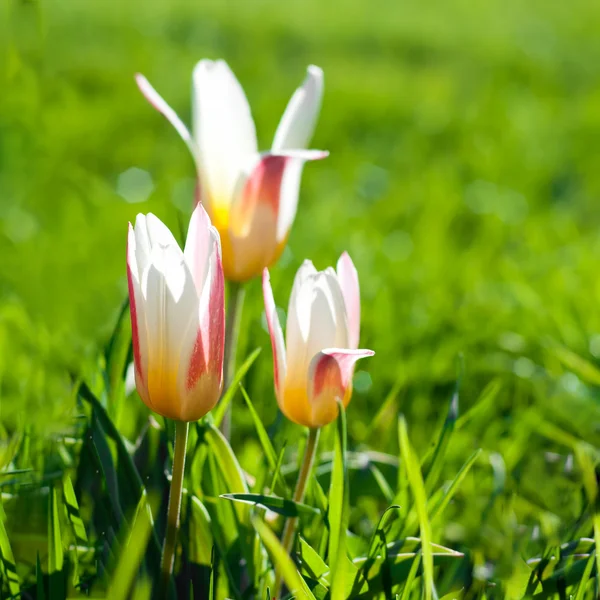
(250,196)
(177,316)
(313,367)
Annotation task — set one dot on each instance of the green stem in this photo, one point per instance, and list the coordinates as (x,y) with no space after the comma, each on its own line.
(289,529)
(168,555)
(235,303)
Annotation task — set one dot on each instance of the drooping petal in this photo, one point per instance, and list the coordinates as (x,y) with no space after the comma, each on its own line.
(297,125)
(290,188)
(156,100)
(198,246)
(273,182)
(330,380)
(223,129)
(276,334)
(348,278)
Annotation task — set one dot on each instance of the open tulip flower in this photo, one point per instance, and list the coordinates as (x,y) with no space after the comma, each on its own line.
(314,369)
(177,316)
(251,197)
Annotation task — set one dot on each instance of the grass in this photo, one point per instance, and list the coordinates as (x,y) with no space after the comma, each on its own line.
(462,179)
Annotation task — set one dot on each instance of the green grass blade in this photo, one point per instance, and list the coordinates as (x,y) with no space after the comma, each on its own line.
(73,512)
(219,411)
(229,467)
(9,567)
(439,453)
(263,436)
(310,561)
(40,588)
(201,539)
(417,486)
(55,549)
(585,577)
(436,511)
(293,580)
(281,506)
(382,483)
(338,509)
(412,574)
(133,553)
(375,545)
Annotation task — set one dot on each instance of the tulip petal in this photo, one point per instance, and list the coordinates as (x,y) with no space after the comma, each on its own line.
(199,246)
(316,320)
(273,181)
(204,376)
(348,278)
(330,380)
(137,313)
(223,128)
(156,100)
(171,323)
(297,125)
(276,334)
(298,320)
(290,188)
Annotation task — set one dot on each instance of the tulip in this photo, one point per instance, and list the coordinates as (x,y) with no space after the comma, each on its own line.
(251,197)
(313,370)
(177,316)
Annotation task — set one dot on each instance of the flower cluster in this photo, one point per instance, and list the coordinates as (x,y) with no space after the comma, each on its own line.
(245,207)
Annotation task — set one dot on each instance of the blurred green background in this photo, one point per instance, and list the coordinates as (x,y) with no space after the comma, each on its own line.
(464,180)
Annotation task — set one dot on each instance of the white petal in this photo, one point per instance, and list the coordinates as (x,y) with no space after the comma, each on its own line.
(297,125)
(348,278)
(276,334)
(198,245)
(141,247)
(162,107)
(290,188)
(171,311)
(223,128)
(328,319)
(137,302)
(316,319)
(298,319)
(158,233)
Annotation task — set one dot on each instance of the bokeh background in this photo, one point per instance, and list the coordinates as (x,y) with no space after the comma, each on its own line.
(464,180)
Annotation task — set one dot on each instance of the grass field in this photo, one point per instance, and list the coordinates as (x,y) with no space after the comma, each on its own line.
(463,179)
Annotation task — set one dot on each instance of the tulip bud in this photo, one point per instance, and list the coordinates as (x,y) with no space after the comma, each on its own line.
(177,316)
(314,369)
(251,197)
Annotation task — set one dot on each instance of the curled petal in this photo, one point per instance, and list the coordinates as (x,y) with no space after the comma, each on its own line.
(273,183)
(156,100)
(348,278)
(290,188)
(277,344)
(297,125)
(329,380)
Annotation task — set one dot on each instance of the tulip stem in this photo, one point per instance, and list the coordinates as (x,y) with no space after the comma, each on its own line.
(168,555)
(289,529)
(233,317)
